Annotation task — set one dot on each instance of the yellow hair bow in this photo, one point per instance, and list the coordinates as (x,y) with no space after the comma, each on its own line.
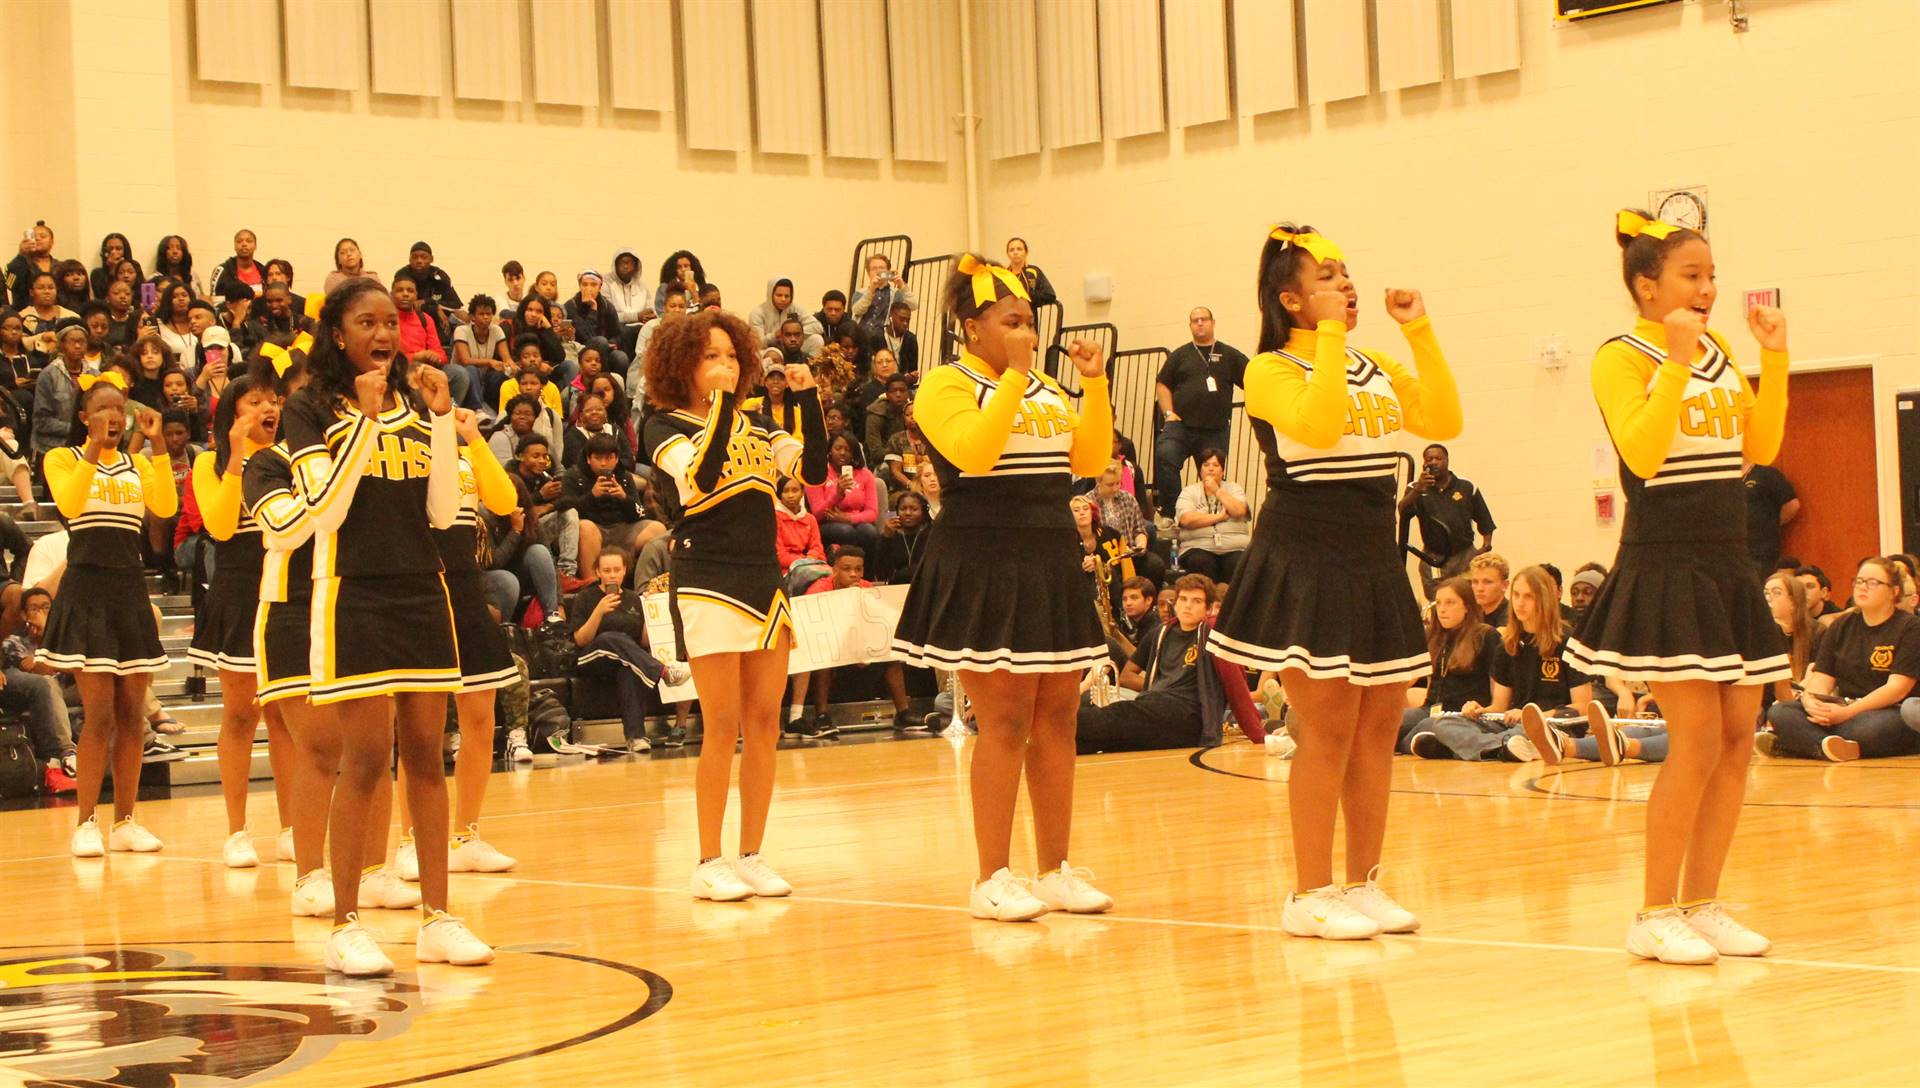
(1633,225)
(314,302)
(1322,249)
(111,377)
(991,283)
(282,358)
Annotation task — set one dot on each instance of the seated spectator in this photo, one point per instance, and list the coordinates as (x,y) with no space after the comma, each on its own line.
(1488,573)
(533,376)
(833,319)
(908,455)
(56,390)
(803,556)
(280,273)
(1215,525)
(16,454)
(903,540)
(884,287)
(848,505)
(928,484)
(240,275)
(166,537)
(632,302)
(539,494)
(174,309)
(176,395)
(900,341)
(1855,701)
(538,319)
(1819,590)
(1164,668)
(681,269)
(420,338)
(887,417)
(123,317)
(882,366)
(43,312)
(594,419)
(1120,512)
(1580,594)
(1462,647)
(787,346)
(1036,280)
(1527,671)
(849,565)
(526,414)
(274,321)
(114,251)
(592,361)
(595,318)
(31,688)
(214,371)
(610,628)
(435,288)
(73,289)
(517,550)
(233,313)
(20,360)
(1136,621)
(1101,549)
(607,501)
(1793,612)
(768,318)
(173,260)
(480,345)
(513,276)
(775,410)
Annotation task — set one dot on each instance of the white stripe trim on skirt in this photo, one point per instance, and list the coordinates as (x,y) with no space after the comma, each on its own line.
(225,662)
(998,660)
(1724,669)
(79,663)
(1339,667)
(490,681)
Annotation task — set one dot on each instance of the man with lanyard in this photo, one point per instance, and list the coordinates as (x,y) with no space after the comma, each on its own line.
(1449,509)
(1195,393)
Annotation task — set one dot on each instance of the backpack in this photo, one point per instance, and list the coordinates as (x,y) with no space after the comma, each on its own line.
(547,718)
(547,649)
(20,771)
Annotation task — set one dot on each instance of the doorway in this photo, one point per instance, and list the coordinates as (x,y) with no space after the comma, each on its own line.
(1829,457)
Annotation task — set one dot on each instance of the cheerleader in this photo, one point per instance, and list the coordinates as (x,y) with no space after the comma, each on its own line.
(101,629)
(1001,596)
(1322,595)
(377,478)
(486,665)
(730,610)
(244,423)
(1683,609)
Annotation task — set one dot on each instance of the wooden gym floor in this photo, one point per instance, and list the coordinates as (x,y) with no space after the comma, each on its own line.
(874,975)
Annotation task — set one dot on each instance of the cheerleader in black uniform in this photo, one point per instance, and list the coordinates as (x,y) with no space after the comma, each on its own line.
(486,665)
(1683,609)
(730,608)
(377,478)
(245,422)
(1322,596)
(101,628)
(1000,596)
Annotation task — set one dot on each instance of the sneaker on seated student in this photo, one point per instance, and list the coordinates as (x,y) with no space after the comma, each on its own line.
(610,628)
(1528,669)
(1164,668)
(849,566)
(1463,647)
(607,499)
(1609,740)
(1864,670)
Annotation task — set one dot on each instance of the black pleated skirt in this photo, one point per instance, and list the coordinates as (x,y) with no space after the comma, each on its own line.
(1330,600)
(101,622)
(1000,600)
(485,663)
(1681,611)
(223,630)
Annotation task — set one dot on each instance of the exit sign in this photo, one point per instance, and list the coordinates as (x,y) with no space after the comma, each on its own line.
(1766,296)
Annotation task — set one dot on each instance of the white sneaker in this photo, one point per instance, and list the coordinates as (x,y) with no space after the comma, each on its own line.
(283,845)
(755,873)
(450,745)
(381,890)
(639,746)
(717,881)
(1280,744)
(313,895)
(86,841)
(406,861)
(446,939)
(238,853)
(1666,936)
(1713,921)
(472,854)
(128,835)
(1004,897)
(1071,890)
(1522,749)
(517,749)
(1324,912)
(1369,900)
(352,951)
(1544,738)
(675,673)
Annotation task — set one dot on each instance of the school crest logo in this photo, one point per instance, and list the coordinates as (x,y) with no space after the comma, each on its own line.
(1458,497)
(1550,669)
(1192,655)
(1881,658)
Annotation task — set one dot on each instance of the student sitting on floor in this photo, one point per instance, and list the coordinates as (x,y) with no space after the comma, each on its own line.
(1462,647)
(1866,666)
(1165,670)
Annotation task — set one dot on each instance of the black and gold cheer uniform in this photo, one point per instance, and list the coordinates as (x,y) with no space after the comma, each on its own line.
(1684,601)
(1000,587)
(1323,588)
(283,619)
(485,661)
(725,585)
(223,628)
(101,621)
(376,487)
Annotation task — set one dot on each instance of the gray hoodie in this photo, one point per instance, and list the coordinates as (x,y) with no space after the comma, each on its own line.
(767,318)
(631,298)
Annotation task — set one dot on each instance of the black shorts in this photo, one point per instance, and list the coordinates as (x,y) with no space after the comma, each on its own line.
(381,636)
(485,663)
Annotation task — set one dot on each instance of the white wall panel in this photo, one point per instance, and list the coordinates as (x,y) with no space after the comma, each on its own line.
(1266,72)
(640,54)
(566,53)
(409,45)
(1067,34)
(486,50)
(1336,50)
(923,58)
(1197,62)
(326,44)
(234,42)
(1007,95)
(1486,37)
(1406,34)
(1130,67)
(714,85)
(786,76)
(859,116)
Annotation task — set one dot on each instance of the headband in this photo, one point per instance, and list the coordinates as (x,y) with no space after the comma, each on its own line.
(991,283)
(111,377)
(1321,248)
(1633,225)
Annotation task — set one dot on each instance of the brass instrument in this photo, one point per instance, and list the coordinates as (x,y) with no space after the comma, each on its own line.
(1102,602)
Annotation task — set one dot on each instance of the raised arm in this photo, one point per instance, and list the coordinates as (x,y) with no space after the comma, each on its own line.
(1643,421)
(324,481)
(1093,436)
(156,483)
(218,495)
(1310,410)
(69,480)
(443,473)
(1429,399)
(496,487)
(1766,417)
(810,451)
(968,434)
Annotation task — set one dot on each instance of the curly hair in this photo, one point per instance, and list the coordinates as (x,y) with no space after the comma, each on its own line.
(677,347)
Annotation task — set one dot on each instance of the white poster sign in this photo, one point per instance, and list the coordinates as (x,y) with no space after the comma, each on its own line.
(839,627)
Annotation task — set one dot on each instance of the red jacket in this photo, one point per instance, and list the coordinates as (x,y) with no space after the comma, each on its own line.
(796,537)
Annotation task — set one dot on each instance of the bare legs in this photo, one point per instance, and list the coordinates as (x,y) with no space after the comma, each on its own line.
(739,696)
(366,732)
(1695,804)
(1026,723)
(113,736)
(1345,759)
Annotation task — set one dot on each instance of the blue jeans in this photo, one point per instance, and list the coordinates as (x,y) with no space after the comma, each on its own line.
(1467,739)
(1176,443)
(460,384)
(187,550)
(38,697)
(503,591)
(1879,733)
(536,566)
(1652,738)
